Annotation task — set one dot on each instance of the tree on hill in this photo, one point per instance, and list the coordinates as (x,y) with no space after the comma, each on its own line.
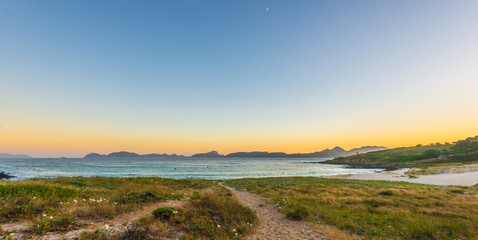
(467,147)
(431,153)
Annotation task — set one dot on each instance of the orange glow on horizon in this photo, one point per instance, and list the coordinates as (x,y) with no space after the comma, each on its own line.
(79,145)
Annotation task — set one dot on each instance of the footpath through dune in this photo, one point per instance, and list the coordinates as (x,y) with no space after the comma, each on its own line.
(275,226)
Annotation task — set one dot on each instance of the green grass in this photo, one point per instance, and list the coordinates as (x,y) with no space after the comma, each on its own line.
(57,204)
(87,197)
(216,216)
(419,156)
(374,209)
(211,216)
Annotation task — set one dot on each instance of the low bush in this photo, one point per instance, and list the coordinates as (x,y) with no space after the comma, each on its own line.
(164,213)
(45,223)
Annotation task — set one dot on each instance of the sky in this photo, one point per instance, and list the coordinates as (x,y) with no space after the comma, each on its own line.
(195,76)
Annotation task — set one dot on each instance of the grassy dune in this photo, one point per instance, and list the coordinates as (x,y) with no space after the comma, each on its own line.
(419,156)
(462,152)
(371,209)
(62,204)
(444,169)
(374,209)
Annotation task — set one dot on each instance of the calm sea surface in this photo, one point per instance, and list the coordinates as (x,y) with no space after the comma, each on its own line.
(196,168)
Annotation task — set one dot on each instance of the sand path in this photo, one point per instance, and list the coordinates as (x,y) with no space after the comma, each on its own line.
(275,226)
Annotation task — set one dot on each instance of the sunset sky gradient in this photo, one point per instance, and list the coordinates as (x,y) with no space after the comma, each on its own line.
(194,76)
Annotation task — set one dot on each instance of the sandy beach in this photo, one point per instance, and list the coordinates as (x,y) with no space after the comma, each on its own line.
(450,177)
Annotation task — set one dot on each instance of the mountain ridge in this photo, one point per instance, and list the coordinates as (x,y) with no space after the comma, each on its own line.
(326,153)
(6,155)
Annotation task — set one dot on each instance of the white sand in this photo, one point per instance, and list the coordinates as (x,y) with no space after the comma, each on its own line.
(461,179)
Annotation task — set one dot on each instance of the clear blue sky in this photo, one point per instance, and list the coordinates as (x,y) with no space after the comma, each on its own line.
(190,76)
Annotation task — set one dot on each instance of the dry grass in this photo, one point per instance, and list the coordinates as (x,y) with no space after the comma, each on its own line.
(59,204)
(444,168)
(375,209)
(81,197)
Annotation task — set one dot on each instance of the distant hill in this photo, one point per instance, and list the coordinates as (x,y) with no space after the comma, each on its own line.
(124,154)
(326,153)
(403,157)
(6,155)
(212,154)
(257,155)
(366,149)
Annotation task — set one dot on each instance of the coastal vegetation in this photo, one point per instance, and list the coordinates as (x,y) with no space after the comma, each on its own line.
(444,169)
(437,154)
(65,204)
(203,209)
(374,209)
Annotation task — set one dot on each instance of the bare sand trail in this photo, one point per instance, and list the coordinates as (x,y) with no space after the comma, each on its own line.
(275,226)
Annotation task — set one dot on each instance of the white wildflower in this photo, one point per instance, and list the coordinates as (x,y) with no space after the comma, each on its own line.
(106,227)
(218,226)
(234,230)
(51,217)
(34,197)
(44,215)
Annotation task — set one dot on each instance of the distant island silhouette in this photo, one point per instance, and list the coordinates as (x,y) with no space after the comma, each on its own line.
(326,153)
(6,155)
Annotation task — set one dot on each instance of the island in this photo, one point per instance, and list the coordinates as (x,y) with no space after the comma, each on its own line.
(326,153)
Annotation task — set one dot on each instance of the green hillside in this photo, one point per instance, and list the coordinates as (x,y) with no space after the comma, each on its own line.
(463,151)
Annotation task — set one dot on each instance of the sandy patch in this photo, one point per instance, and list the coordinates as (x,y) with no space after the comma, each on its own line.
(462,177)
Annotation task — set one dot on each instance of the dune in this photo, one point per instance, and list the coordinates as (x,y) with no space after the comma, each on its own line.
(467,177)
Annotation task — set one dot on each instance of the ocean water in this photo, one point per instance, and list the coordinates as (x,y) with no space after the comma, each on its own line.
(195,168)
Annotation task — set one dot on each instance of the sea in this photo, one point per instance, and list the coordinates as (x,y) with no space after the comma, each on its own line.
(174,167)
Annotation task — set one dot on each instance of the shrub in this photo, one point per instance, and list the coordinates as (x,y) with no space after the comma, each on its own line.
(216,216)
(298,212)
(195,196)
(136,198)
(459,191)
(431,153)
(135,232)
(385,193)
(163,212)
(46,223)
